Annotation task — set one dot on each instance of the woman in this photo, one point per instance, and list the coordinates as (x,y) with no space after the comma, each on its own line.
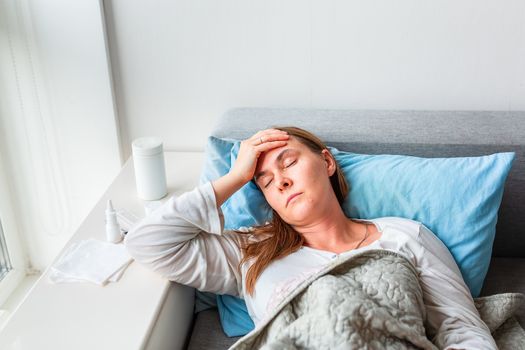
(185,242)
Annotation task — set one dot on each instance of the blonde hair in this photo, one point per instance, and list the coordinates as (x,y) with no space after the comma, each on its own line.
(282,238)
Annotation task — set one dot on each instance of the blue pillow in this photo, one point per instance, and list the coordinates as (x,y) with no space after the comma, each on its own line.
(234,315)
(457,198)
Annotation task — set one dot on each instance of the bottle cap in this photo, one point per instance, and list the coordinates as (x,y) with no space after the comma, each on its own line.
(113,233)
(109,206)
(147,146)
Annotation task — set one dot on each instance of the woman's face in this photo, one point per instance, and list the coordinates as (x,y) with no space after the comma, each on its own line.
(295,181)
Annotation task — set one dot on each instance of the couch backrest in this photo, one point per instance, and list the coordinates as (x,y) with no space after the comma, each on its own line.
(416,133)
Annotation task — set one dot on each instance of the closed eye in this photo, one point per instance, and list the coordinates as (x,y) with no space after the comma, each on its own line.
(289,165)
(292,163)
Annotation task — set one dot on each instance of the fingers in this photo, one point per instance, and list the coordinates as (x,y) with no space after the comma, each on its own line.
(268,138)
(251,148)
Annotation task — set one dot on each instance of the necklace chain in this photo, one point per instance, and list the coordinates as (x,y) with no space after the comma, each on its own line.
(366,235)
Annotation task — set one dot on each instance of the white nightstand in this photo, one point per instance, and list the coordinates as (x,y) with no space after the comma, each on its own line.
(141,311)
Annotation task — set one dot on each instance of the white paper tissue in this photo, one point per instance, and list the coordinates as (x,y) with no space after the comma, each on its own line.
(91,261)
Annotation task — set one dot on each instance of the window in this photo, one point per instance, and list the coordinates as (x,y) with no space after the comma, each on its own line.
(5,263)
(13,262)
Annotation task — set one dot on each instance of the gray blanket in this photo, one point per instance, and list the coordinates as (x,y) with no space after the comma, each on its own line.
(372,300)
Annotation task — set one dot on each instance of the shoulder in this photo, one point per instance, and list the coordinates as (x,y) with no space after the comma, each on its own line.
(399,224)
(414,229)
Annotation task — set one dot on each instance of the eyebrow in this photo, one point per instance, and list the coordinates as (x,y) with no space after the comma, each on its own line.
(277,160)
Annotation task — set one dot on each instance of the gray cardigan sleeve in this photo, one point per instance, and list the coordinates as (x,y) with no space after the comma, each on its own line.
(183,240)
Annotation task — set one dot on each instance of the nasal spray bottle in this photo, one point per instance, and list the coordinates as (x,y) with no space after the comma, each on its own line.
(113,234)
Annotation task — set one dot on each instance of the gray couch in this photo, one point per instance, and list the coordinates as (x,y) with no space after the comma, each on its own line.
(417,133)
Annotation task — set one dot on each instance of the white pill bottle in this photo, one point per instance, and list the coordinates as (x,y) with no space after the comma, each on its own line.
(150,171)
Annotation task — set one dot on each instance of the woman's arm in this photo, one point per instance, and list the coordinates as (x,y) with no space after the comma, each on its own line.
(183,240)
(452,321)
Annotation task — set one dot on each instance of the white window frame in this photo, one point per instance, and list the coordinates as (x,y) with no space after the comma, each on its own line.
(46,196)
(17,254)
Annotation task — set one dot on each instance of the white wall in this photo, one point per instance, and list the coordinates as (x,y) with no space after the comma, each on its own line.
(180,64)
(58,131)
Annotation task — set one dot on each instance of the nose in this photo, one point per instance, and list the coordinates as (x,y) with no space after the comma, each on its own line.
(282,182)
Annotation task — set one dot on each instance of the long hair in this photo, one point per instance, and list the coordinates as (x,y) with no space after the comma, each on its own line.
(282,239)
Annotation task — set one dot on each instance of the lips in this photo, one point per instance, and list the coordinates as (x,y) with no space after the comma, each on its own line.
(292,197)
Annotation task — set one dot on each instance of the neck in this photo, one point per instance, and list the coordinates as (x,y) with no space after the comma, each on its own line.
(333,232)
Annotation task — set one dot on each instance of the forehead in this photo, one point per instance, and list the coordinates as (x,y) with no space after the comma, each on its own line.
(268,159)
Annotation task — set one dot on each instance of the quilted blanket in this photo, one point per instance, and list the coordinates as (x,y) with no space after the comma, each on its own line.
(371,300)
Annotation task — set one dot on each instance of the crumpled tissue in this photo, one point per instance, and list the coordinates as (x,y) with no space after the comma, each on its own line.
(91,261)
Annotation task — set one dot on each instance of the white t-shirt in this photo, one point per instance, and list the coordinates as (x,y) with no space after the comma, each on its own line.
(184,241)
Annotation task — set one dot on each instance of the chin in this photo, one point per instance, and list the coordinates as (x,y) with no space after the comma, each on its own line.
(300,215)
